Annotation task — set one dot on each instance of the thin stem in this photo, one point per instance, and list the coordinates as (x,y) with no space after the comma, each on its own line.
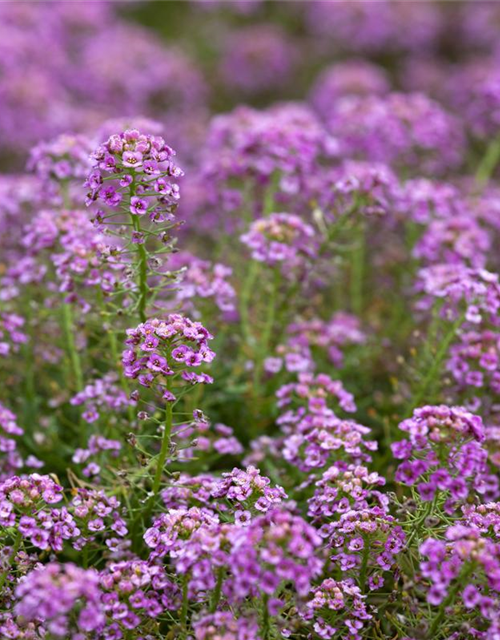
(246,294)
(265,617)
(12,557)
(74,356)
(217,591)
(123,380)
(142,260)
(364,566)
(488,163)
(461,581)
(266,331)
(184,610)
(165,445)
(357,272)
(435,368)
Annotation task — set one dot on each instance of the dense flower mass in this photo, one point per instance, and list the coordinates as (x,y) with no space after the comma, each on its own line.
(333,474)
(161,348)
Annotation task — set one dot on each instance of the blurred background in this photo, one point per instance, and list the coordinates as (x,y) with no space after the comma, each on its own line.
(69,66)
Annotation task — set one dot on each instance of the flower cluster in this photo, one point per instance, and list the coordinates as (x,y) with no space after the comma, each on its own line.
(398,129)
(249,490)
(161,348)
(282,240)
(64,597)
(256,58)
(62,160)
(138,163)
(102,394)
(11,334)
(464,568)
(202,281)
(337,606)
(134,592)
(223,624)
(444,454)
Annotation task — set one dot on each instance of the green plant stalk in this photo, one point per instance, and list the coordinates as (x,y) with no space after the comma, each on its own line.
(74,356)
(488,163)
(364,566)
(12,556)
(358,273)
(265,618)
(263,347)
(123,381)
(217,591)
(142,265)
(184,610)
(435,368)
(245,297)
(165,444)
(461,581)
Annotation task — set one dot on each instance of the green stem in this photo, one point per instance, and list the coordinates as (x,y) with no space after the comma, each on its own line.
(364,567)
(74,356)
(12,557)
(246,294)
(142,264)
(123,380)
(165,445)
(488,163)
(267,330)
(184,610)
(357,273)
(435,368)
(265,618)
(217,591)
(461,581)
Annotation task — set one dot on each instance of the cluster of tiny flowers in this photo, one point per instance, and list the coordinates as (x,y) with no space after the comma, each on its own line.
(64,159)
(465,565)
(278,148)
(457,240)
(249,490)
(345,487)
(474,361)
(10,459)
(422,200)
(161,348)
(222,624)
(216,439)
(331,337)
(96,445)
(255,59)
(314,433)
(139,169)
(337,607)
(25,503)
(64,597)
(82,256)
(444,452)
(475,292)
(134,592)
(351,77)
(399,129)
(11,333)
(201,281)
(274,548)
(96,515)
(363,188)
(103,394)
(282,240)
(375,28)
(365,539)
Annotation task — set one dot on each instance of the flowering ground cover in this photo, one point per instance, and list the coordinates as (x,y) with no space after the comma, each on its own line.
(250,320)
